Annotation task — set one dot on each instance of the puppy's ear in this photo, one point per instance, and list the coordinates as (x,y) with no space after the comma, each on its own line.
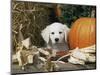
(66,31)
(45,34)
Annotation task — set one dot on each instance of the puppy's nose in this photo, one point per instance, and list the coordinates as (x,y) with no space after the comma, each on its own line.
(56,39)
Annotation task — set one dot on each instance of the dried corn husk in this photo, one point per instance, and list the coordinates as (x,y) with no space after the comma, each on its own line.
(83,55)
(87,57)
(80,56)
(26,43)
(90,49)
(43,51)
(42,59)
(91,58)
(74,60)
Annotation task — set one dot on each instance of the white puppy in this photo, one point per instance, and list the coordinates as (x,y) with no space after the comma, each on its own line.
(55,36)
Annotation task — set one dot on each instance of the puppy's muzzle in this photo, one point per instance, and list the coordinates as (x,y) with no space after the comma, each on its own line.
(56,39)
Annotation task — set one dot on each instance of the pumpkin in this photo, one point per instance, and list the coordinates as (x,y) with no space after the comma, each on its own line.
(82,33)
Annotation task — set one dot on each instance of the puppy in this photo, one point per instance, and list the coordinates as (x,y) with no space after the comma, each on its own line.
(55,36)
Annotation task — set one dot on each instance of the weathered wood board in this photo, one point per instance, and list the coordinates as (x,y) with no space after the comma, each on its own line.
(63,67)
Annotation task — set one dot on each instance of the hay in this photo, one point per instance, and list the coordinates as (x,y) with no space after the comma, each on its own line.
(33,17)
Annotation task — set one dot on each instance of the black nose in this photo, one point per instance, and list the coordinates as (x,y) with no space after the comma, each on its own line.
(56,39)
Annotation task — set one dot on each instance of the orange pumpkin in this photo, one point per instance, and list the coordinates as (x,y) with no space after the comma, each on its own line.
(82,33)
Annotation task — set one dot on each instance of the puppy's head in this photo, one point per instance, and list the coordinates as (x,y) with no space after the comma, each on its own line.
(55,32)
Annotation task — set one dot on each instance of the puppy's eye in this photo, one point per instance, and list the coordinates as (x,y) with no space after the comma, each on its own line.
(60,32)
(52,33)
